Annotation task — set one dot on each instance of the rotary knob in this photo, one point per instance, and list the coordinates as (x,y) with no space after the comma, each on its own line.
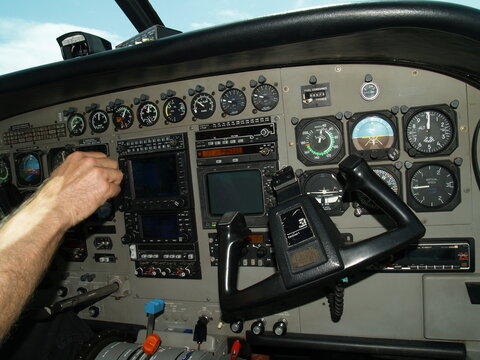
(280,327)
(258,327)
(236,326)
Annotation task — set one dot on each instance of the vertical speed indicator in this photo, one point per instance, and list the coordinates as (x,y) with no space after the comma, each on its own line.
(319,141)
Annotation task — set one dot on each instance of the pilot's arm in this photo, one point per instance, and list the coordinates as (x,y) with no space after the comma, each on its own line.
(30,237)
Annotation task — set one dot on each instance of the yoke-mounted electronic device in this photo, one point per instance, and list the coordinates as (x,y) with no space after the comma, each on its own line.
(309,250)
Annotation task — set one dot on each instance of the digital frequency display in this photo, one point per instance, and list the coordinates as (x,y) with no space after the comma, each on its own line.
(163,226)
(155,177)
(240,191)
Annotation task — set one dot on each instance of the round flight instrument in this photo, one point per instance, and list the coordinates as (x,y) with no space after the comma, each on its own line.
(429,131)
(99,121)
(122,117)
(76,124)
(58,158)
(148,114)
(327,190)
(319,140)
(265,97)
(174,110)
(29,169)
(233,101)
(373,132)
(4,171)
(388,178)
(433,186)
(203,106)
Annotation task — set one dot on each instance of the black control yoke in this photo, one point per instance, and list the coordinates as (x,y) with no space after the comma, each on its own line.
(309,250)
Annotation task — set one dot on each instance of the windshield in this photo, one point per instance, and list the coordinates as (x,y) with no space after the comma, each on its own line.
(28,29)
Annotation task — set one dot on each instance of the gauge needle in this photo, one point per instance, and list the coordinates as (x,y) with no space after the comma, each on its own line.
(428,120)
(420,187)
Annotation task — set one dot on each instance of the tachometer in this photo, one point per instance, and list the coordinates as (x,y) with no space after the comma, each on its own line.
(265,97)
(99,121)
(122,117)
(233,101)
(319,140)
(203,106)
(174,110)
(429,131)
(148,114)
(327,190)
(76,124)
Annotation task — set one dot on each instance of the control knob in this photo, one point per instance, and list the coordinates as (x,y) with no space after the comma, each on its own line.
(126,239)
(166,272)
(258,327)
(138,271)
(280,327)
(62,291)
(236,326)
(93,311)
(178,203)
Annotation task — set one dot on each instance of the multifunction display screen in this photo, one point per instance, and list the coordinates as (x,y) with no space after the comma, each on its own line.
(155,177)
(240,191)
(161,226)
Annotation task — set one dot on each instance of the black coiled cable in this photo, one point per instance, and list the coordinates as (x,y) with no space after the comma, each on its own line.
(335,302)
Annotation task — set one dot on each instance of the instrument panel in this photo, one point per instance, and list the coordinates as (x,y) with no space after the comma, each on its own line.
(193,149)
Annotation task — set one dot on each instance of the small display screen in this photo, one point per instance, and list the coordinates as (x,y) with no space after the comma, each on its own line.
(155,177)
(240,191)
(295,226)
(29,169)
(164,226)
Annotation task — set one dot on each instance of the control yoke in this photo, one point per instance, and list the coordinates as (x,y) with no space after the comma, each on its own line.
(309,250)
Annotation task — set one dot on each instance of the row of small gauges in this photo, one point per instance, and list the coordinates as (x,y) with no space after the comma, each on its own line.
(28,165)
(233,101)
(428,130)
(432,186)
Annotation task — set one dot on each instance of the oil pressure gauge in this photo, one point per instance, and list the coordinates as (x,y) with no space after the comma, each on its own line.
(319,141)
(430,131)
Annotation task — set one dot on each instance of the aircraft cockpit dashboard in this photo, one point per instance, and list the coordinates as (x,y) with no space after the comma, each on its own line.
(201,125)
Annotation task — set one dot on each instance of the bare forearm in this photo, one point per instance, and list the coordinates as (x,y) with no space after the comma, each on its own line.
(28,241)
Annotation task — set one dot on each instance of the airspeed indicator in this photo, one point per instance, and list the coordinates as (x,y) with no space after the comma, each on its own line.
(319,141)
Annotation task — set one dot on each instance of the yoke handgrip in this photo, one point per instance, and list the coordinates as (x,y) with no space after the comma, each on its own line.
(360,177)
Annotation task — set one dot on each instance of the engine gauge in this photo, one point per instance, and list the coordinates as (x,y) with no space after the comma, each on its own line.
(28,169)
(390,177)
(233,101)
(433,187)
(203,106)
(327,190)
(265,97)
(99,121)
(429,131)
(148,114)
(174,110)
(319,141)
(122,117)
(5,172)
(76,124)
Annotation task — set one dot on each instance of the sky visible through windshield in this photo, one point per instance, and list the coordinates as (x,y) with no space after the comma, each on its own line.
(28,29)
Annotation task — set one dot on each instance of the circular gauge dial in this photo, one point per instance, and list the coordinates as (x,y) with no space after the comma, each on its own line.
(265,97)
(148,114)
(233,101)
(320,140)
(326,189)
(76,124)
(429,131)
(99,121)
(433,186)
(123,117)
(203,106)
(29,169)
(174,110)
(388,178)
(373,132)
(369,91)
(59,157)
(4,171)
